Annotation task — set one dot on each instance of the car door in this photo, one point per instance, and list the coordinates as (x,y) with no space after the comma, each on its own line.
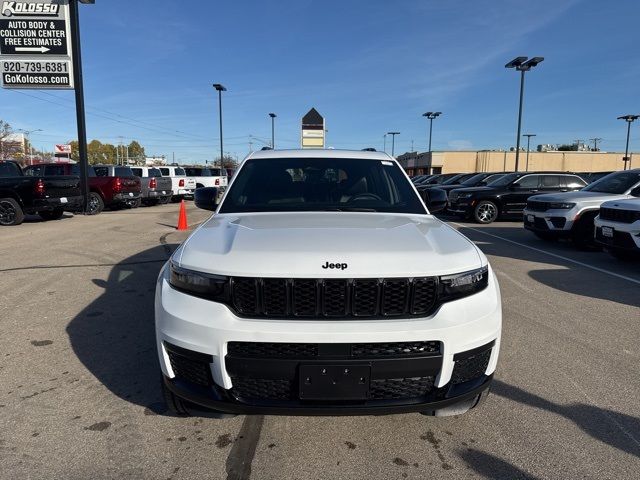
(552,184)
(515,199)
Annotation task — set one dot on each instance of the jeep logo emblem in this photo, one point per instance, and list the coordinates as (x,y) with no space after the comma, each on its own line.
(337,266)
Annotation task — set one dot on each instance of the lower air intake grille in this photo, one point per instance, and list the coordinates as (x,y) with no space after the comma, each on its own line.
(471,367)
(272,350)
(262,389)
(193,367)
(396,349)
(399,388)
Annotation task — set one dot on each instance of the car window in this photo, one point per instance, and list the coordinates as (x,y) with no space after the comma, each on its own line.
(54,170)
(101,171)
(165,172)
(196,172)
(528,181)
(617,182)
(550,181)
(180,172)
(34,171)
(504,180)
(137,172)
(154,172)
(321,184)
(573,181)
(123,172)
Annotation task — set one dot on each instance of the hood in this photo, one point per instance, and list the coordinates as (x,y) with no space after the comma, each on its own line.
(298,245)
(580,197)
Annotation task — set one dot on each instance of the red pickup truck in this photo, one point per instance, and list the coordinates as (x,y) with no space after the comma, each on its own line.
(109,185)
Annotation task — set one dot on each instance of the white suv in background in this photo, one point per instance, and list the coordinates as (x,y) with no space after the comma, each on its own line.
(618,227)
(571,214)
(181,185)
(323,285)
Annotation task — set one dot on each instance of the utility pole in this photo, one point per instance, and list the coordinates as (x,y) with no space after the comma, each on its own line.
(393,142)
(385,143)
(528,135)
(431,116)
(595,143)
(412,145)
(629,119)
(220,88)
(578,142)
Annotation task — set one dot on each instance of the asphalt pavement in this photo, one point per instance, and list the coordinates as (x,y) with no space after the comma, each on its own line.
(79,381)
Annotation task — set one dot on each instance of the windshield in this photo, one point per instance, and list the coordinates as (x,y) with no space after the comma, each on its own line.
(321,184)
(504,180)
(453,180)
(473,181)
(617,182)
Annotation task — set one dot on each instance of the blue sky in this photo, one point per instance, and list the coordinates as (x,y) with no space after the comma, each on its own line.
(368,66)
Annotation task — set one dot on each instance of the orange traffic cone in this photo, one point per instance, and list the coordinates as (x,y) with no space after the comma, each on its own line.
(182,217)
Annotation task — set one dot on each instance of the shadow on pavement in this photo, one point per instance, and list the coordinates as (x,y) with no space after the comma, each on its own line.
(571,278)
(612,428)
(38,218)
(114,336)
(490,466)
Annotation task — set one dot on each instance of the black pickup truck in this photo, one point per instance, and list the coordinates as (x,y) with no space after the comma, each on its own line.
(47,196)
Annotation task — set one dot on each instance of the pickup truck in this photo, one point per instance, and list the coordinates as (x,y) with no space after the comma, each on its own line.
(181,185)
(155,188)
(47,196)
(111,188)
(120,187)
(208,176)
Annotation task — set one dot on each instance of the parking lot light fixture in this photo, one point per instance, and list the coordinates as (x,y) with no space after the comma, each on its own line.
(528,135)
(431,116)
(522,64)
(393,141)
(220,88)
(629,119)
(273,117)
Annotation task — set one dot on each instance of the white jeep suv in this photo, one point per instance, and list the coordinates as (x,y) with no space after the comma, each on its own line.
(618,227)
(322,285)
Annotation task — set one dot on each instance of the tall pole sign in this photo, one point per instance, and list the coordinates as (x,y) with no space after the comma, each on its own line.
(40,48)
(35,44)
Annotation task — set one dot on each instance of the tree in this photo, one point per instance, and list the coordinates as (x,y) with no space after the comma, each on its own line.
(10,148)
(136,151)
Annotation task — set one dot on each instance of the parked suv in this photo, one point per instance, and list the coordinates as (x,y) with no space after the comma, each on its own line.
(323,285)
(571,214)
(618,227)
(508,195)
(117,187)
(48,196)
(475,180)
(181,185)
(155,188)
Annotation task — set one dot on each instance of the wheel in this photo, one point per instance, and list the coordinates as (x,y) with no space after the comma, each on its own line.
(151,202)
(55,214)
(485,212)
(10,212)
(164,200)
(582,234)
(181,408)
(547,236)
(136,203)
(96,204)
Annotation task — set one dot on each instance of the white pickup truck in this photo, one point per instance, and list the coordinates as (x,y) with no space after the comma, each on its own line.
(181,185)
(323,285)
(208,176)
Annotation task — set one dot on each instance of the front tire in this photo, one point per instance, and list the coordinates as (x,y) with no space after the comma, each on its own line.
(55,214)
(10,212)
(485,212)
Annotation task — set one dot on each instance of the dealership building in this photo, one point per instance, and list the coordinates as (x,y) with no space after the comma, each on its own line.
(416,163)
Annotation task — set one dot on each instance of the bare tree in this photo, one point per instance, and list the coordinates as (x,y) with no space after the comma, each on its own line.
(9,147)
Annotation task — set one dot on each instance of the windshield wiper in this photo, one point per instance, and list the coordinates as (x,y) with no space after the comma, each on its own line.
(349,209)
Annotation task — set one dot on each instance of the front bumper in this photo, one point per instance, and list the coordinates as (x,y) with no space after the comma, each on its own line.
(158,194)
(125,197)
(624,236)
(204,328)
(559,222)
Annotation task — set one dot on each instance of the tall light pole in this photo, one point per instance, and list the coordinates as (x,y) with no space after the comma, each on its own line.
(385,143)
(431,116)
(220,88)
(273,116)
(629,119)
(528,135)
(28,137)
(522,64)
(393,142)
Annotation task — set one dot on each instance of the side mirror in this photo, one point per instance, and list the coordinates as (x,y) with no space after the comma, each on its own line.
(206,198)
(435,199)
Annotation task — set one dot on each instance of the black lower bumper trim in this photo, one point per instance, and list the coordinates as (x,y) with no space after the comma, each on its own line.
(216,398)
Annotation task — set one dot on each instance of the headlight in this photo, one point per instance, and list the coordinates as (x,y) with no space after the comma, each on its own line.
(463,284)
(561,206)
(199,284)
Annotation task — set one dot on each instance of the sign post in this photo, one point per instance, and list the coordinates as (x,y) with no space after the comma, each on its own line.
(40,48)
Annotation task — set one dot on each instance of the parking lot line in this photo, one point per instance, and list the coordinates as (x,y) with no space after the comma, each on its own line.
(582,264)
